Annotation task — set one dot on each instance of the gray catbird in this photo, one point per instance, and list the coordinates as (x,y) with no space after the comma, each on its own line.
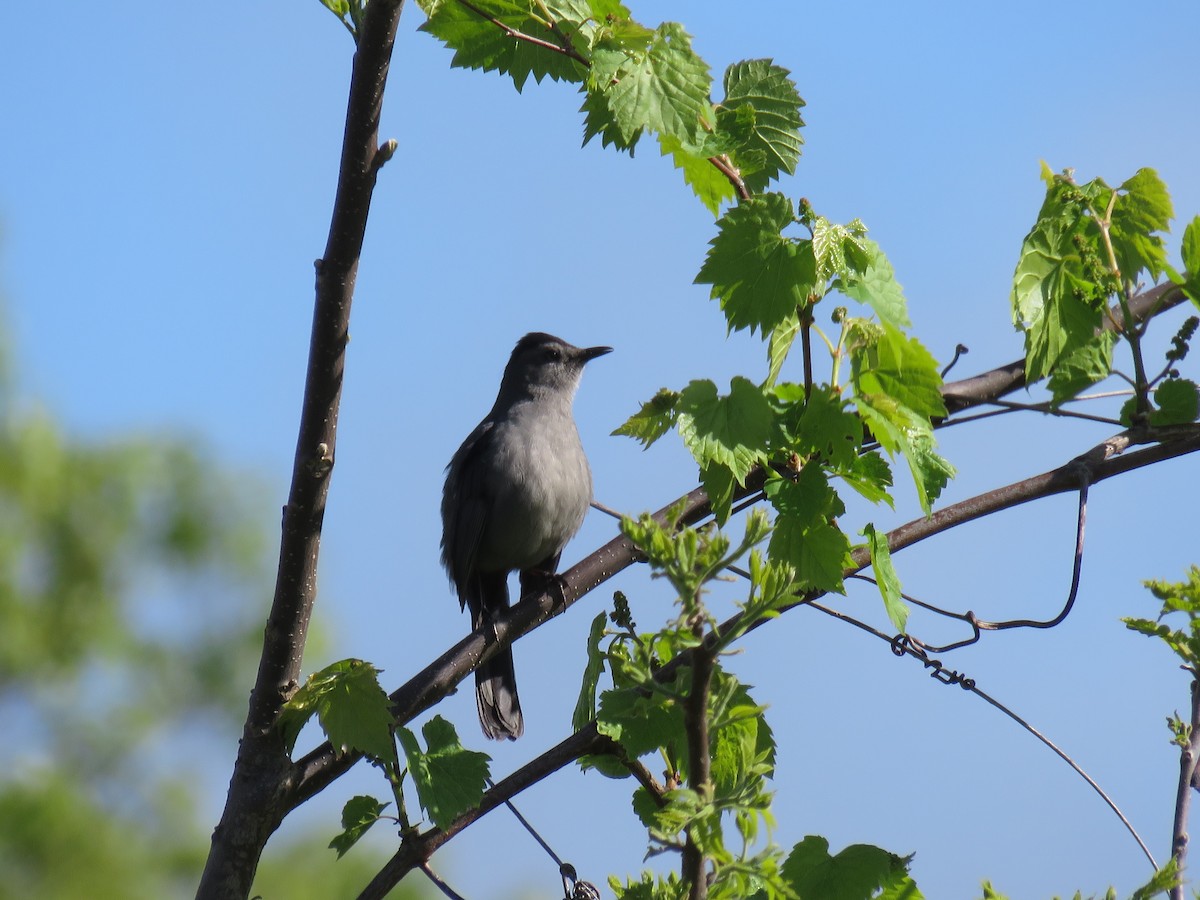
(516,491)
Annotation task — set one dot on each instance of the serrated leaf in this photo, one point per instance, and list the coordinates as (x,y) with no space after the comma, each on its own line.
(886,361)
(768,141)
(706,181)
(598,119)
(733,431)
(900,430)
(358,815)
(1142,209)
(856,873)
(804,534)
(1178,403)
(885,577)
(876,287)
(354,711)
(480,43)
(760,276)
(641,724)
(585,706)
(653,420)
(869,475)
(651,81)
(837,249)
(449,779)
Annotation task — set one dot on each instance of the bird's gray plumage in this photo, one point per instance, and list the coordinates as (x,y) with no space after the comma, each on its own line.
(516,491)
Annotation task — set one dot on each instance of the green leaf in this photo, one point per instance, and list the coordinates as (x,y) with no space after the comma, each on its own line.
(449,779)
(1178,403)
(598,119)
(479,43)
(353,709)
(899,430)
(838,249)
(876,287)
(783,336)
(760,276)
(732,431)
(1057,307)
(585,706)
(653,420)
(805,535)
(641,724)
(885,577)
(719,483)
(705,179)
(870,475)
(771,144)
(650,81)
(886,361)
(358,815)
(1143,209)
(856,873)
(1190,250)
(1086,365)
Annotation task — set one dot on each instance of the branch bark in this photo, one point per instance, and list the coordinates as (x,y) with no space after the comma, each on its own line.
(262,774)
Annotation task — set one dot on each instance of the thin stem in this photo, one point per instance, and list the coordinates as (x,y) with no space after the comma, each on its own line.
(1183,793)
(695,717)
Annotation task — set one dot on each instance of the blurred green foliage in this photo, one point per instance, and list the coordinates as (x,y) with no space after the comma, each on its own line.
(134,580)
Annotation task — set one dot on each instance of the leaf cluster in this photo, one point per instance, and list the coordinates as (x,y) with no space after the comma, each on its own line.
(636,80)
(1181,597)
(1083,258)
(355,714)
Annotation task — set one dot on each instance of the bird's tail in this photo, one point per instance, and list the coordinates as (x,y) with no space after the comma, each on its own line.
(496,697)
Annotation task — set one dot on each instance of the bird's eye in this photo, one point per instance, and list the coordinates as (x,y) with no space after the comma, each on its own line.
(553,354)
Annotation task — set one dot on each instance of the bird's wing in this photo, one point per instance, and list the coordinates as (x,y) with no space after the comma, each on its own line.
(465,509)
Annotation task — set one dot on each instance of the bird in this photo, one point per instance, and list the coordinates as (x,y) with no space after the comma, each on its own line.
(516,492)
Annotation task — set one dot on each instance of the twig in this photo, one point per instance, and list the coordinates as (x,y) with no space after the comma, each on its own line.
(1188,754)
(695,718)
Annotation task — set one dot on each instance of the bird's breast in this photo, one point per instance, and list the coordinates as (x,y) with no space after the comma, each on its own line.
(541,487)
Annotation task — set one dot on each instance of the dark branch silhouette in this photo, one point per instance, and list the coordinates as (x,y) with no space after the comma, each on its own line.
(256,802)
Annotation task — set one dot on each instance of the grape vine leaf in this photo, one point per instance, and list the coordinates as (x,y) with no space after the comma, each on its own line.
(449,779)
(876,287)
(1142,208)
(653,420)
(771,144)
(856,873)
(733,431)
(482,37)
(647,81)
(885,577)
(759,275)
(358,815)
(354,711)
(805,534)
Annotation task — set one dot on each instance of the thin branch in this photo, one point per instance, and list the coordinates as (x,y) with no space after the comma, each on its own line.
(1188,754)
(695,718)
(416,851)
(255,804)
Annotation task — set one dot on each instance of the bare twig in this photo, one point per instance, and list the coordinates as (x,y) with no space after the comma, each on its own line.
(1188,755)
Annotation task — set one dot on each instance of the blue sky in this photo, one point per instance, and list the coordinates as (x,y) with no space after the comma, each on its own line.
(168,174)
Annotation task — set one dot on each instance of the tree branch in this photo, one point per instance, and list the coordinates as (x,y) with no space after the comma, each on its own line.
(416,851)
(256,803)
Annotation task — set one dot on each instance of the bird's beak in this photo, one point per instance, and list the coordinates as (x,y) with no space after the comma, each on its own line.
(587,354)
